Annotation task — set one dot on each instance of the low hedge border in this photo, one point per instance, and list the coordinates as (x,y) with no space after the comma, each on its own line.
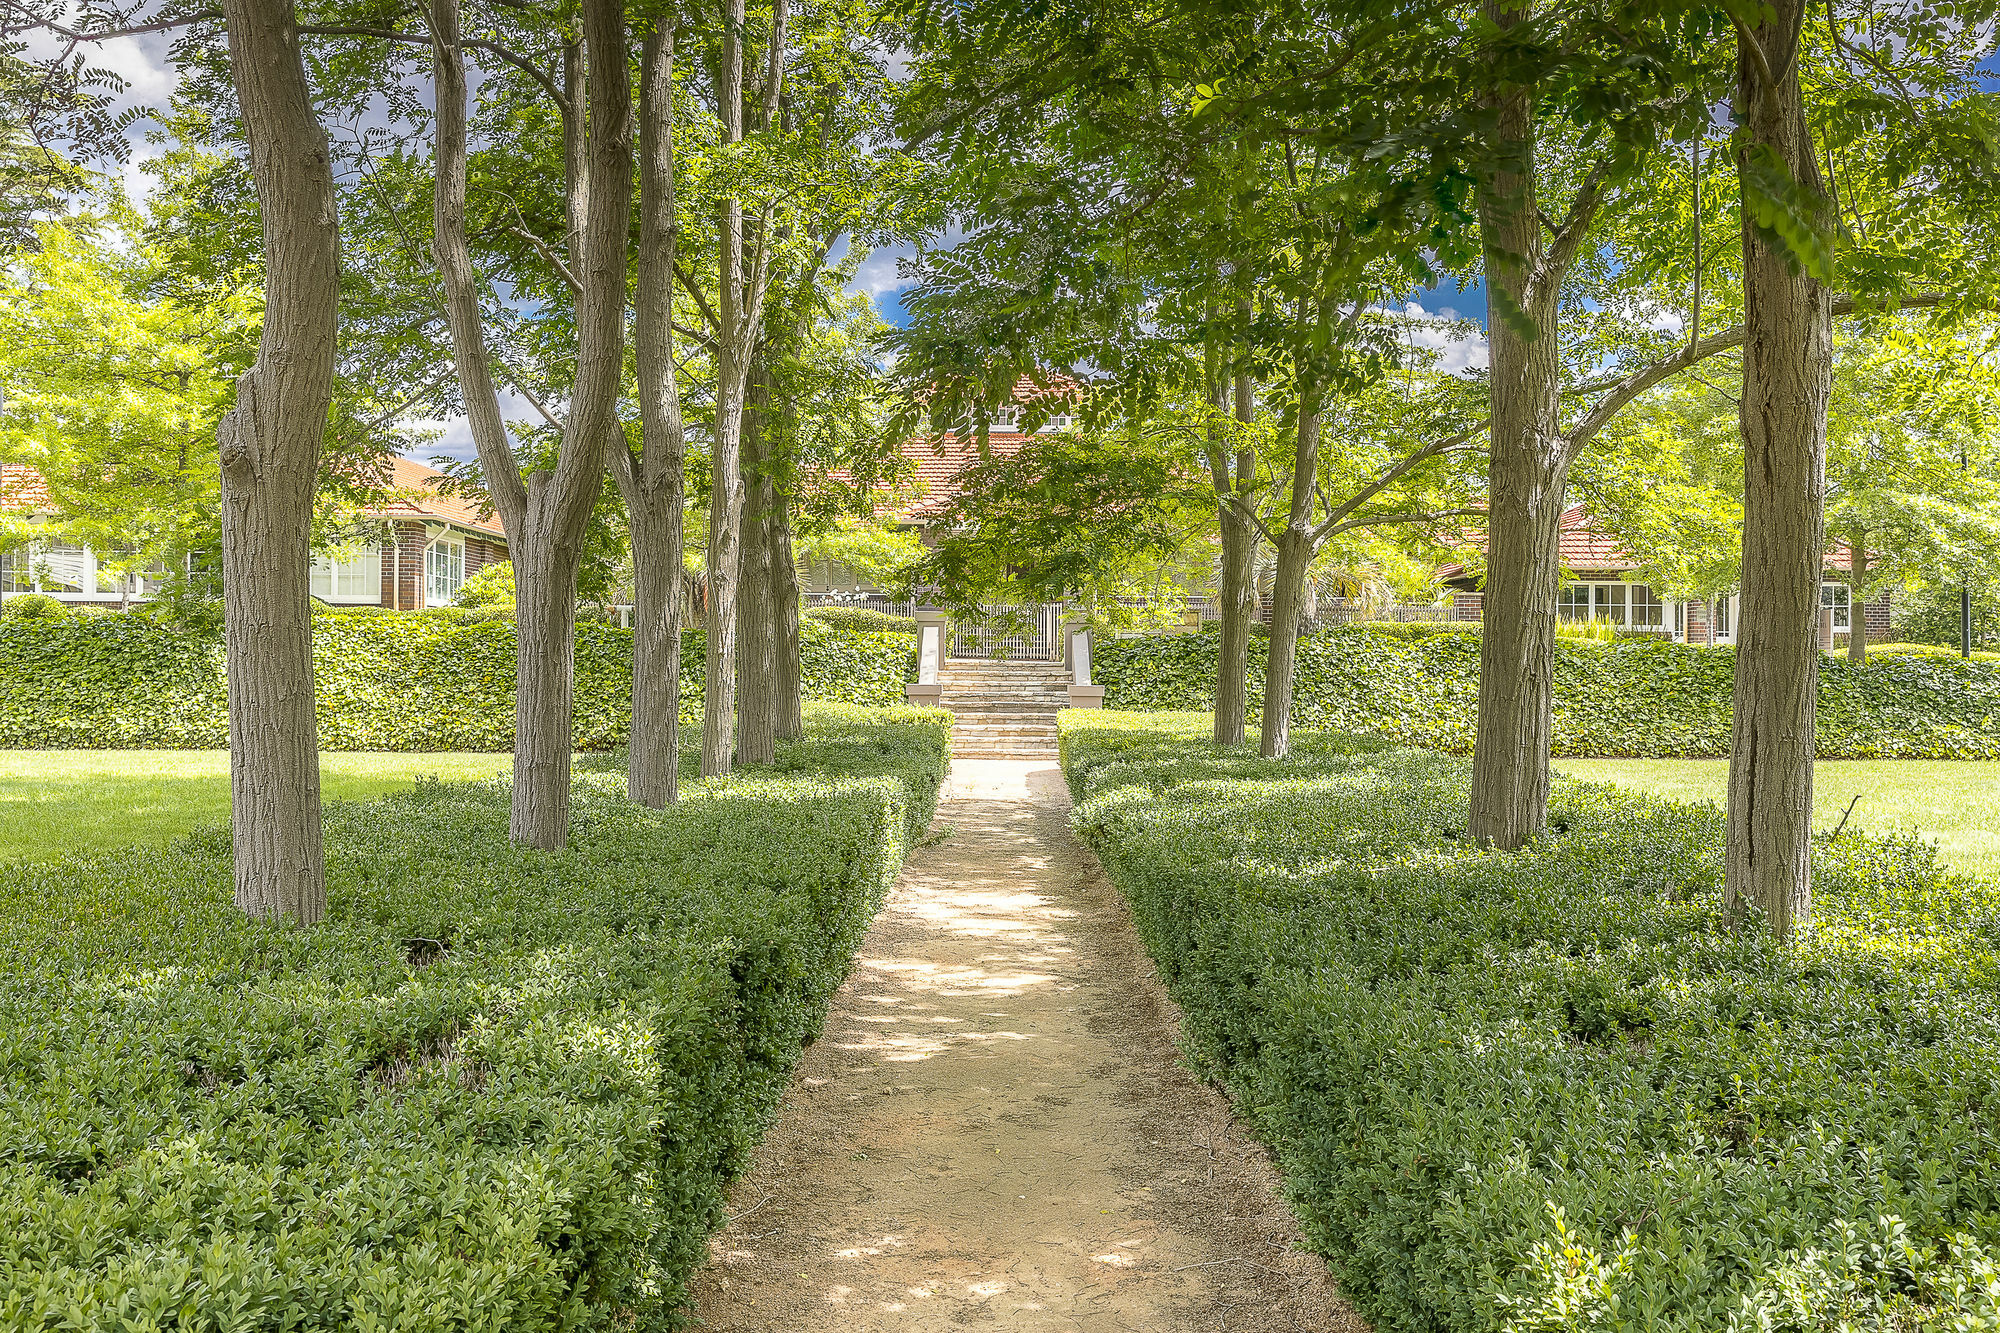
(1544,1089)
(390,681)
(494,1089)
(1630,699)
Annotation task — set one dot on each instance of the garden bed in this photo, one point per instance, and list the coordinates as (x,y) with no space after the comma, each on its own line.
(1630,698)
(494,1089)
(1544,1088)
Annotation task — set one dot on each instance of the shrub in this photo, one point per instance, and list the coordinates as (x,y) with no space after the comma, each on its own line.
(861,619)
(33,606)
(1418,629)
(1508,1089)
(1627,698)
(495,1089)
(492,586)
(413,680)
(1933,617)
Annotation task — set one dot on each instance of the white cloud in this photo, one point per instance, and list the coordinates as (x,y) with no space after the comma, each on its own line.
(454,434)
(1443,332)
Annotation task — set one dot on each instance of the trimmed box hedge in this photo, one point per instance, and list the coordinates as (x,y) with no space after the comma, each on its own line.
(1627,699)
(428,680)
(494,1089)
(1545,1089)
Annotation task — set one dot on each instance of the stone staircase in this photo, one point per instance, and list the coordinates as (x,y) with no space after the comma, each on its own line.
(1001,709)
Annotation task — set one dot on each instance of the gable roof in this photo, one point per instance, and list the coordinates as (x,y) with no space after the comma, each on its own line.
(22,488)
(1585,547)
(940,462)
(414,495)
(412,487)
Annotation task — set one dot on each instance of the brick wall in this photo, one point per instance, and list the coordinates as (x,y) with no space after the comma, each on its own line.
(1878,618)
(403,566)
(1466,605)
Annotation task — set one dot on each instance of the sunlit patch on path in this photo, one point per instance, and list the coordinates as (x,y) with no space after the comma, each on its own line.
(994,1128)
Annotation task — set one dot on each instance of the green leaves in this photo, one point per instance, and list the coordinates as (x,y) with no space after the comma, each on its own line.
(1546,1088)
(1799,220)
(431,680)
(495,1089)
(1419,684)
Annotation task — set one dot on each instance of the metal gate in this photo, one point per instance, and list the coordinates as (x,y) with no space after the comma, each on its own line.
(1010,633)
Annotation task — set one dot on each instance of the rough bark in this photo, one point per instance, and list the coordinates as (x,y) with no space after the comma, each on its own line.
(1787,380)
(1527,470)
(1295,552)
(653,482)
(785,609)
(545,514)
(743,274)
(1857,588)
(270,445)
(1234,479)
(756,619)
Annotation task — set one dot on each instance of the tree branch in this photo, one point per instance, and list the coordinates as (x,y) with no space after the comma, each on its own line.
(134,30)
(1623,391)
(513,58)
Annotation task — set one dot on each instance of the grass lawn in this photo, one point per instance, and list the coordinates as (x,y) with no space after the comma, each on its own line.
(57,801)
(1954,802)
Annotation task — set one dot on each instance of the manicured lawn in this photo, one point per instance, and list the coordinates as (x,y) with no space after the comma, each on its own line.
(1955,802)
(57,801)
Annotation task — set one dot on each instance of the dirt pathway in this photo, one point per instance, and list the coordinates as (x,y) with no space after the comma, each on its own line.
(994,1130)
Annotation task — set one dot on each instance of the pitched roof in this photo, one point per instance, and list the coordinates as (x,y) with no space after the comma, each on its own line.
(21,487)
(940,461)
(413,495)
(1585,547)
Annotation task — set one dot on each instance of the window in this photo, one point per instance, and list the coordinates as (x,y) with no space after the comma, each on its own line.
(1633,605)
(1835,597)
(444,570)
(1006,418)
(1647,610)
(355,578)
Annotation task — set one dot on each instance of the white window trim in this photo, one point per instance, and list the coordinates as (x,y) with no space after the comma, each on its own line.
(1599,605)
(131,587)
(1842,604)
(333,595)
(446,539)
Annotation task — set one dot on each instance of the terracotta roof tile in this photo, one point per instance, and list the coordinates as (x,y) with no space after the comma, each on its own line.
(1584,547)
(21,487)
(412,486)
(939,462)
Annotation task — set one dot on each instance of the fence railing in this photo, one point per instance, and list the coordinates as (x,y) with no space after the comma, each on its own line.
(1010,633)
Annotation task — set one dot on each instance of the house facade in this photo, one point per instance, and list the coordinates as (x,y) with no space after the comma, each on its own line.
(1600,584)
(429,544)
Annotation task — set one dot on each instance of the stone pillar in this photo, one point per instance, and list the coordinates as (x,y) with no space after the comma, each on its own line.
(930,658)
(1076,652)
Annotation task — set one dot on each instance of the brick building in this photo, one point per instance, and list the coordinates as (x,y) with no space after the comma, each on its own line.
(1600,585)
(429,544)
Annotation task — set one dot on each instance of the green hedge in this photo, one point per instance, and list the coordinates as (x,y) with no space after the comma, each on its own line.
(494,1089)
(1630,698)
(390,681)
(1543,1089)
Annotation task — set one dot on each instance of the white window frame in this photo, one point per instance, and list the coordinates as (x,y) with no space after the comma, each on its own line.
(30,562)
(1613,600)
(451,548)
(1838,598)
(366,568)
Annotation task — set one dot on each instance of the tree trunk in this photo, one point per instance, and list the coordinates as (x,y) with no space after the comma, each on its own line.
(1295,553)
(725,555)
(1236,591)
(270,444)
(784,568)
(654,482)
(1526,472)
(756,619)
(1857,586)
(1787,380)
(544,691)
(545,515)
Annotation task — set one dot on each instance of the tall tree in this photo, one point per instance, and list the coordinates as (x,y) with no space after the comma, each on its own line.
(270,446)
(546,511)
(1787,380)
(652,478)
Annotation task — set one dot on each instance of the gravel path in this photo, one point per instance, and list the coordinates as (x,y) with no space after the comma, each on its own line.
(994,1130)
